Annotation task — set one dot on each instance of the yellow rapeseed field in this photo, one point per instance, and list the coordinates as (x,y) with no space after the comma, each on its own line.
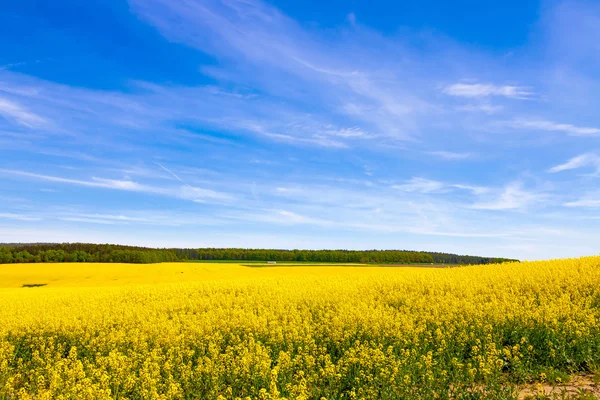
(226,331)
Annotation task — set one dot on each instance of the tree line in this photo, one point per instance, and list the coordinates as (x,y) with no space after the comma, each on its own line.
(85,252)
(343,256)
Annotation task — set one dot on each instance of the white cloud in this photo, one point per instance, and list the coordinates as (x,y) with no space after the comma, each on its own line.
(473,188)
(512,197)
(111,184)
(544,125)
(422,185)
(585,203)
(449,155)
(268,40)
(183,192)
(284,217)
(69,154)
(20,114)
(317,139)
(160,110)
(19,64)
(292,217)
(354,132)
(138,217)
(486,108)
(50,178)
(474,90)
(87,220)
(19,217)
(583,160)
(115,218)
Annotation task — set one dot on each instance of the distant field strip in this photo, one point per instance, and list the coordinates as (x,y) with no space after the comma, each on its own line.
(115,274)
(226,331)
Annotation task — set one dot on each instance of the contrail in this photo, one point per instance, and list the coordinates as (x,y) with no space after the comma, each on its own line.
(172,173)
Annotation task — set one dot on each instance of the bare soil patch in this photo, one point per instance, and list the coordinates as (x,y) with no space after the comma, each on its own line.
(584,386)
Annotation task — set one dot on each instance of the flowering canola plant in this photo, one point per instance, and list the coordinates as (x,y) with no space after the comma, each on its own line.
(228,331)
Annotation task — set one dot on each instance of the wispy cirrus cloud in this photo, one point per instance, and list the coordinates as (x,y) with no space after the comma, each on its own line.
(18,217)
(185,192)
(278,216)
(580,161)
(485,108)
(137,217)
(162,110)
(309,138)
(477,90)
(20,114)
(550,126)
(20,64)
(452,156)
(585,202)
(88,220)
(422,185)
(512,197)
(310,70)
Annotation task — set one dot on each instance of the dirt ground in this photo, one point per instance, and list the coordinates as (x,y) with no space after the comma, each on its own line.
(579,387)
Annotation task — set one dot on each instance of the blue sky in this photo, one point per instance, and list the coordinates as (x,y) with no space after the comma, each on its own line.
(471,128)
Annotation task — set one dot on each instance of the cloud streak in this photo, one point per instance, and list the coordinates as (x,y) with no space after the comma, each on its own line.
(580,161)
(422,185)
(20,114)
(477,90)
(512,197)
(550,126)
(452,156)
(19,217)
(185,192)
(584,203)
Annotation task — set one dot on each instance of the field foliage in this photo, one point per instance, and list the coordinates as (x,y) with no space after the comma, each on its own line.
(224,331)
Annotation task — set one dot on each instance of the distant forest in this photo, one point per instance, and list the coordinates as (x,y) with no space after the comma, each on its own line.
(83,252)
